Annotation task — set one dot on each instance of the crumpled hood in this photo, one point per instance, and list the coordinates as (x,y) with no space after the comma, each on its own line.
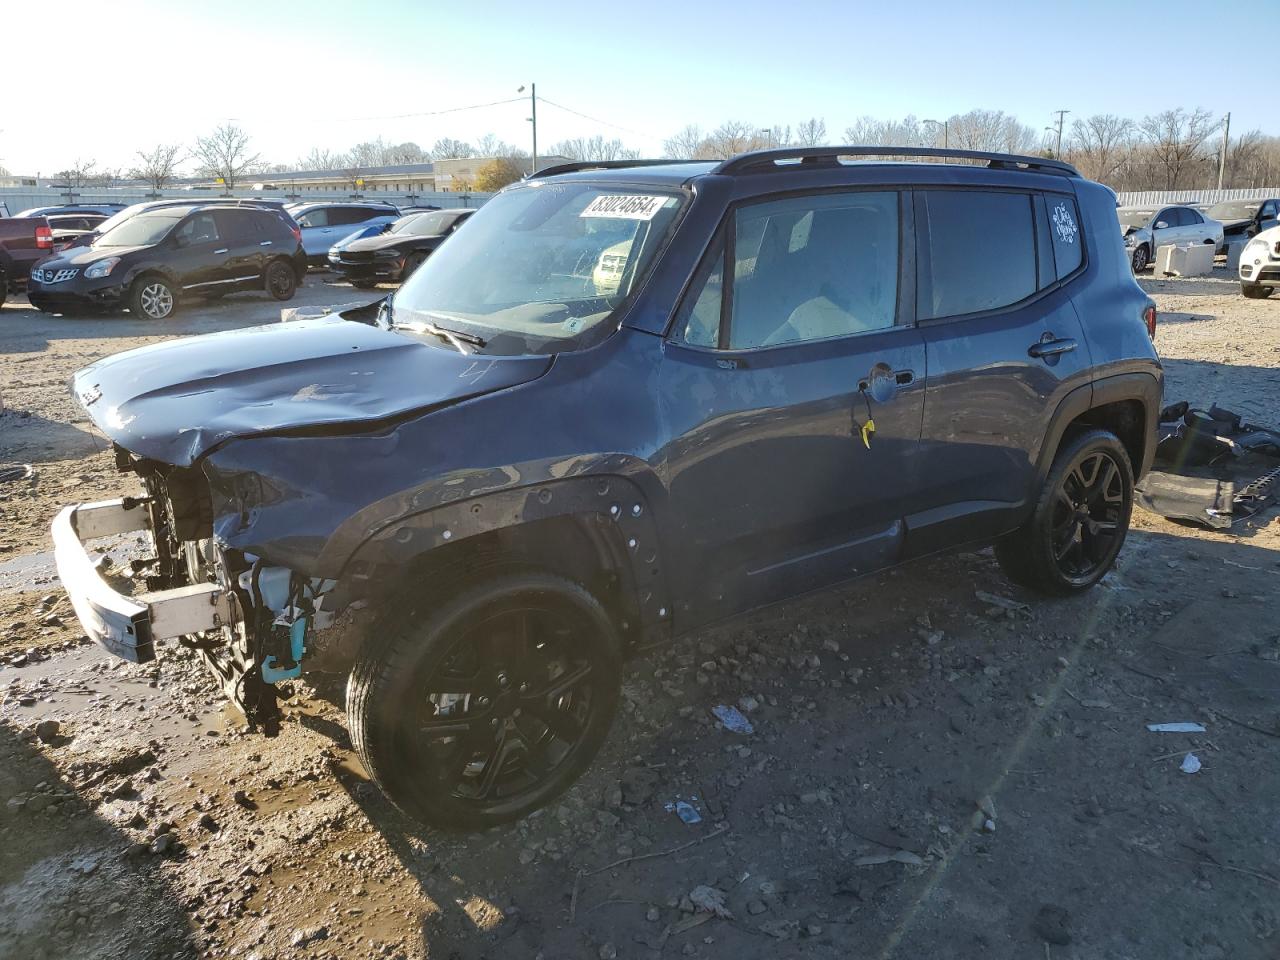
(175,401)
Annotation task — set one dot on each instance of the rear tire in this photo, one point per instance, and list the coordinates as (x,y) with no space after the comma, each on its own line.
(1141,258)
(1255,291)
(152,298)
(1080,519)
(280,280)
(477,707)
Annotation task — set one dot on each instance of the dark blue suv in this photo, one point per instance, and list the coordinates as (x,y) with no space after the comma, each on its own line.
(624,401)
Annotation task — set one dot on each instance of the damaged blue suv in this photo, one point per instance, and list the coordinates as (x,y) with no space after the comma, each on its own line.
(624,401)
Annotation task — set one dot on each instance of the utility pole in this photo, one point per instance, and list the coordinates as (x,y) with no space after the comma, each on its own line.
(1222,154)
(1062,119)
(533,119)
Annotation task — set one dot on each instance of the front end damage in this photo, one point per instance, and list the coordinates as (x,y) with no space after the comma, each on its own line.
(250,621)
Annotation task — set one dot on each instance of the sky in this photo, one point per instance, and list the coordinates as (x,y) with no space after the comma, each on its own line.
(330,73)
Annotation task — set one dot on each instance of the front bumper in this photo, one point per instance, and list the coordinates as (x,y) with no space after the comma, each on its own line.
(127,626)
(386,269)
(55,296)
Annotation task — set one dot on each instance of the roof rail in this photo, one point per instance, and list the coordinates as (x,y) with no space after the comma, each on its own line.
(577,165)
(760,161)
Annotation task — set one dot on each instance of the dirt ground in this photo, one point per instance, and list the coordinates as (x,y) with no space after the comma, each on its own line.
(932,772)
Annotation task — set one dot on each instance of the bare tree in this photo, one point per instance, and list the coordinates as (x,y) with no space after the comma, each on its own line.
(401,153)
(593,148)
(447,149)
(686,144)
(991,130)
(1177,140)
(158,165)
(224,155)
(734,137)
(1100,144)
(811,132)
(885,133)
(321,158)
(79,174)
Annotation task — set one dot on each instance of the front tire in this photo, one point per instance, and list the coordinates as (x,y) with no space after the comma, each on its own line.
(280,280)
(152,299)
(1141,258)
(484,706)
(1080,520)
(1255,291)
(413,263)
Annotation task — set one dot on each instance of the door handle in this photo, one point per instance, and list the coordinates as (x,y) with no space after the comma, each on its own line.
(1050,347)
(265,243)
(221,250)
(904,377)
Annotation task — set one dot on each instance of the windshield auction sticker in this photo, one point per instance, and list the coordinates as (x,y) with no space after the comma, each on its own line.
(624,206)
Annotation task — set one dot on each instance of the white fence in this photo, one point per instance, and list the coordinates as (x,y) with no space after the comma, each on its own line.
(1155,197)
(17,199)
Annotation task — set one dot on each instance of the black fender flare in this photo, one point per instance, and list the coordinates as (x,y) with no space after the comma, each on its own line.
(613,506)
(1141,386)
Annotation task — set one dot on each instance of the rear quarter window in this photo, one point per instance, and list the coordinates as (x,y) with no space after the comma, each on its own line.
(977,254)
(1065,234)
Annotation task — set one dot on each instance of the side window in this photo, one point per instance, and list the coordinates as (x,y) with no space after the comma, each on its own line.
(814,267)
(1190,218)
(1168,217)
(200,228)
(700,319)
(314,218)
(237,225)
(1064,229)
(1268,211)
(978,253)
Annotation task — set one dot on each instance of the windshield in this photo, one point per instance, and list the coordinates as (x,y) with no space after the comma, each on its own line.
(139,231)
(1135,218)
(423,224)
(539,265)
(1234,210)
(116,219)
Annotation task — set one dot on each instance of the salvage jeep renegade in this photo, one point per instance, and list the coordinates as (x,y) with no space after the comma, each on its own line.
(625,400)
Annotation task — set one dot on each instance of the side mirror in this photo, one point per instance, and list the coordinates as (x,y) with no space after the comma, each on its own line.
(1162,225)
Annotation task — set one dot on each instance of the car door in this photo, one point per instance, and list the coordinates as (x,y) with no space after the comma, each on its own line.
(199,256)
(1003,346)
(1268,216)
(1196,227)
(318,234)
(1170,233)
(246,246)
(769,383)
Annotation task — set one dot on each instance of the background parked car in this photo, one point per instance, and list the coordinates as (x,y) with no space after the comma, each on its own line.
(1242,219)
(1260,265)
(24,241)
(391,255)
(152,260)
(101,209)
(325,223)
(1146,229)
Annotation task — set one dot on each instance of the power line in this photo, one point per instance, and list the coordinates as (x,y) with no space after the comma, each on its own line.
(427,113)
(579,113)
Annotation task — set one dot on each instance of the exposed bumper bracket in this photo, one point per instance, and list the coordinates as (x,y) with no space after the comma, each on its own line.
(127,626)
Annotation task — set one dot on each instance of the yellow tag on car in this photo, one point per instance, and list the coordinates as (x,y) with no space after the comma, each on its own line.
(868,429)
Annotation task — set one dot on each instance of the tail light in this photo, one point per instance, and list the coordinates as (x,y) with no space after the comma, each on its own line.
(44,238)
(297,232)
(1149,318)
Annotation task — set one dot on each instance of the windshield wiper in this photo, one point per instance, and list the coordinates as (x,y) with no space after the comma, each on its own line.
(455,338)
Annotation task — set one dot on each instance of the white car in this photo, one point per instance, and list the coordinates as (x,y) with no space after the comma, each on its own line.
(1148,228)
(1260,265)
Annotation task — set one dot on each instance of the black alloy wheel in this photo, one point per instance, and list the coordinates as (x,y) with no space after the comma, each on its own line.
(281,281)
(1080,519)
(492,705)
